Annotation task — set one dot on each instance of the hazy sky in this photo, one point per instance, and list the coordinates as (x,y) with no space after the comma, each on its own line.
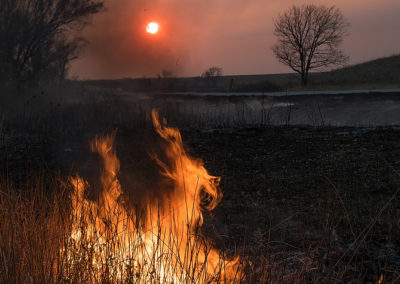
(236,35)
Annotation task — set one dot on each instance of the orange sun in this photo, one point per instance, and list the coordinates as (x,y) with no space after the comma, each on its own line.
(152,28)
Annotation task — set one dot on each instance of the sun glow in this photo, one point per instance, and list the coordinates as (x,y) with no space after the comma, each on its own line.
(152,28)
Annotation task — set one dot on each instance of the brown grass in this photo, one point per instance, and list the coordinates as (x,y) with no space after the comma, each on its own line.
(303,204)
(36,244)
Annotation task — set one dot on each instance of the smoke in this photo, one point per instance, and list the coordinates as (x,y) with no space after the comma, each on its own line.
(152,168)
(118,45)
(139,174)
(194,35)
(235,35)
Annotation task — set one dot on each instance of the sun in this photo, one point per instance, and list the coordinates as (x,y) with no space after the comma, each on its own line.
(152,28)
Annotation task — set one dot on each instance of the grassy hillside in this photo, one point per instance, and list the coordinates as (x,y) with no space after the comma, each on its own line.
(379,73)
(238,83)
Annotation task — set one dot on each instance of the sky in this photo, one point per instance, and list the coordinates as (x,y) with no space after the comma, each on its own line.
(236,35)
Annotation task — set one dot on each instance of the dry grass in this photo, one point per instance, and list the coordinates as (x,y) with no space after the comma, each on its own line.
(36,247)
(32,232)
(43,240)
(294,226)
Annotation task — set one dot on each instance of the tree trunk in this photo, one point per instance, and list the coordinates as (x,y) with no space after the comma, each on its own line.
(304,79)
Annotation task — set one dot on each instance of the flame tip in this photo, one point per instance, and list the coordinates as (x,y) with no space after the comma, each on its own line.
(165,228)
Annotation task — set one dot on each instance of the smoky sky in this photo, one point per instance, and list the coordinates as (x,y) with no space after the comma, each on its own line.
(236,35)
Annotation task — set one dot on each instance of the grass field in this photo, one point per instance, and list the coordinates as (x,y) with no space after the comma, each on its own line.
(301,204)
(381,73)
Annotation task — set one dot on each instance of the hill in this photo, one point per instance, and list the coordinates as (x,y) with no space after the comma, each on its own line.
(379,73)
(382,72)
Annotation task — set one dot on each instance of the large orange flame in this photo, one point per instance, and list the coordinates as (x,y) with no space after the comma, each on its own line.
(163,245)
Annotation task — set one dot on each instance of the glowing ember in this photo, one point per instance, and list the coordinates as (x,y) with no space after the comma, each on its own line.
(152,28)
(161,244)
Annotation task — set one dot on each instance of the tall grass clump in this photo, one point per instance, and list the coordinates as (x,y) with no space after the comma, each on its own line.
(43,239)
(32,231)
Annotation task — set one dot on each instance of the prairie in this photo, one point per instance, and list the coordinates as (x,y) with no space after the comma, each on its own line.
(309,195)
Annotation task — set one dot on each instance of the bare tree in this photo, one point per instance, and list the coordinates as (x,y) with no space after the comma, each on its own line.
(40,37)
(212,72)
(309,37)
(210,77)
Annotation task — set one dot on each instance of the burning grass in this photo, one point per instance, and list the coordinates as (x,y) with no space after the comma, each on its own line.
(71,238)
(45,240)
(304,204)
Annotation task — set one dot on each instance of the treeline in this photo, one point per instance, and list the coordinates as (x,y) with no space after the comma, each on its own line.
(39,38)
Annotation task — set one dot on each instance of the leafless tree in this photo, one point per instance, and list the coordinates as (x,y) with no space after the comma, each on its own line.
(309,37)
(212,72)
(40,37)
(210,77)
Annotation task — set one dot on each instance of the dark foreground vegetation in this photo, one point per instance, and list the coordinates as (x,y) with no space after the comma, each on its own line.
(303,204)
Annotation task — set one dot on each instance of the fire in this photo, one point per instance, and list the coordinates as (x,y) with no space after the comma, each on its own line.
(160,244)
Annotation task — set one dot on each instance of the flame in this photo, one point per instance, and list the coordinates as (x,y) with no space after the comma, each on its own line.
(162,245)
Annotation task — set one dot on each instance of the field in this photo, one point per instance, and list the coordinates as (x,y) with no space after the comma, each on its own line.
(304,201)
(381,73)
